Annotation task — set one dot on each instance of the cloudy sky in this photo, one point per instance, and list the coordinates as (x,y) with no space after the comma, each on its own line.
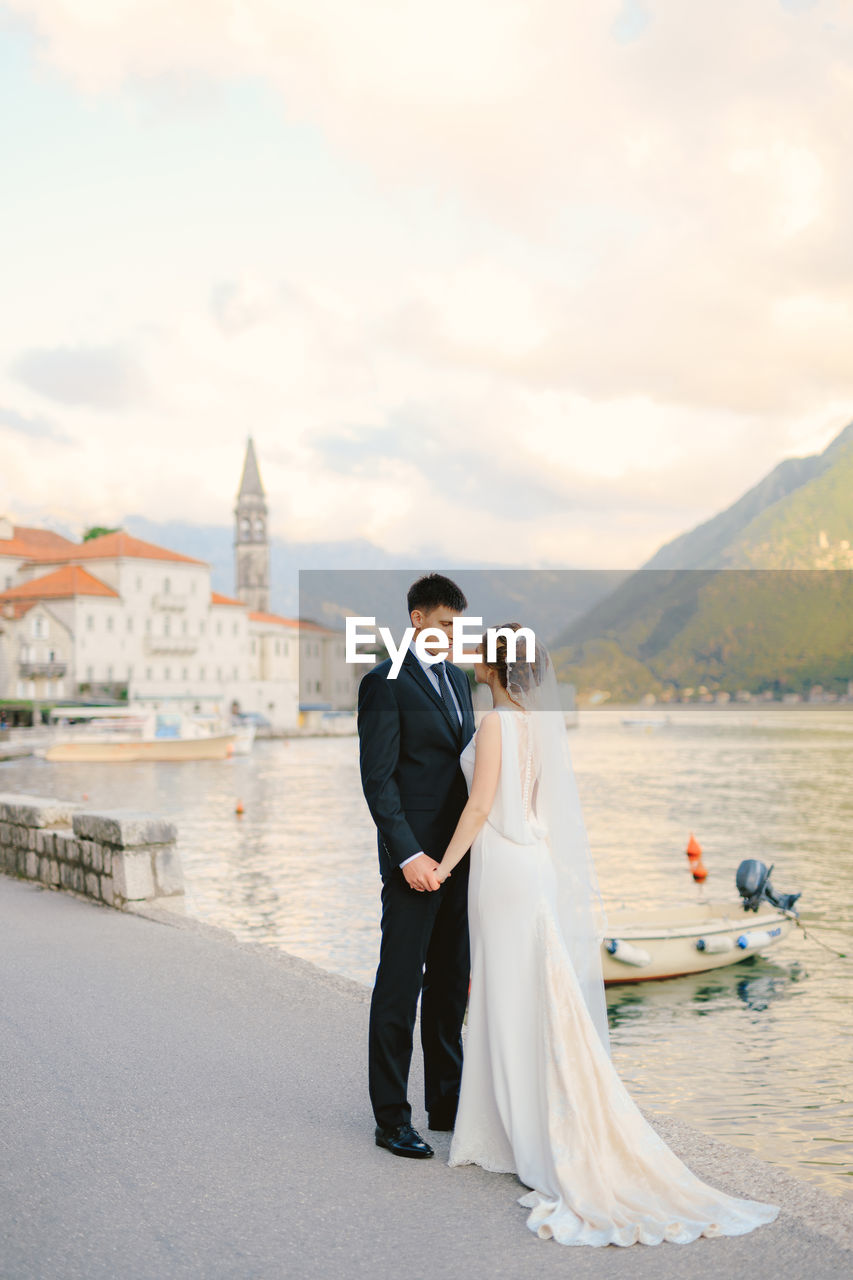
(519,280)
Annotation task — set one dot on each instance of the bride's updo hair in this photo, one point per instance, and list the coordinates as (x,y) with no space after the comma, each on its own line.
(524,674)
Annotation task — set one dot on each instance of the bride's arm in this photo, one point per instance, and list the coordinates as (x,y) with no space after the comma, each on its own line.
(484,784)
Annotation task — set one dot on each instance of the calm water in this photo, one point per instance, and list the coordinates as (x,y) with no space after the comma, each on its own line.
(759,1054)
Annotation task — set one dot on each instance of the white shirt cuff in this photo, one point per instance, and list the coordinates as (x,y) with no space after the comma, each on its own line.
(414,855)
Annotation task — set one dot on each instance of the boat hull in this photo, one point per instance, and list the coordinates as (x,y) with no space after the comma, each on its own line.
(212,748)
(666,940)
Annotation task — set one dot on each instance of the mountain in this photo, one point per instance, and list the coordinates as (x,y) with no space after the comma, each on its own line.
(750,599)
(328,580)
(544,599)
(763,511)
(215,544)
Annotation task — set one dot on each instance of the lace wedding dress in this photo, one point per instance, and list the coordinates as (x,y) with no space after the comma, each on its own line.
(539,1096)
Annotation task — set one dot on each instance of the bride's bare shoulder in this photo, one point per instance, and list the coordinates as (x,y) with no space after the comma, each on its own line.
(490,725)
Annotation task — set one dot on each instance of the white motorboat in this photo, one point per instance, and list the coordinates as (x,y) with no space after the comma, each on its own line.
(99,735)
(672,941)
(244,737)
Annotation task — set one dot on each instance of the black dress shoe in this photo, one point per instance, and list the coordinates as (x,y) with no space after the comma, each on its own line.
(403,1140)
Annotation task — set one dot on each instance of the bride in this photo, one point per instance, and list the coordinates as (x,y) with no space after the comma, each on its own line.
(539,1096)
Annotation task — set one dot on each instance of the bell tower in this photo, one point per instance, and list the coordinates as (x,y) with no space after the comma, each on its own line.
(251,543)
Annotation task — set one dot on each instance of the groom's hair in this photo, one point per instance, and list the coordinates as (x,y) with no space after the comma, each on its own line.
(434,590)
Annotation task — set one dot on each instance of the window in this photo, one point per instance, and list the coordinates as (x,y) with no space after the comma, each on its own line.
(236,628)
(192,586)
(259,528)
(39,625)
(109,672)
(185,674)
(184,626)
(149,674)
(254,646)
(167,673)
(236,673)
(277,648)
(90,622)
(219,628)
(219,674)
(51,657)
(167,586)
(167,625)
(109,623)
(138,584)
(201,628)
(201,673)
(286,649)
(147,626)
(90,674)
(129,623)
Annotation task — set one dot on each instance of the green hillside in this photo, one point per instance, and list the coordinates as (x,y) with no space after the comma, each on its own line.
(774,609)
(811,528)
(792,490)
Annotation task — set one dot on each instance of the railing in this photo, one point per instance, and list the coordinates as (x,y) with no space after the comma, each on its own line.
(49,670)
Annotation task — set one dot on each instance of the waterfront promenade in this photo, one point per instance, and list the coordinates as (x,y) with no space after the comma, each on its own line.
(178,1104)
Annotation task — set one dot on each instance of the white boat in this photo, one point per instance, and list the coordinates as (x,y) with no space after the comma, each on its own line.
(673,941)
(244,737)
(98,735)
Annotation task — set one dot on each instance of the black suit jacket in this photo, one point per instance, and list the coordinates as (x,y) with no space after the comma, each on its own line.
(409,747)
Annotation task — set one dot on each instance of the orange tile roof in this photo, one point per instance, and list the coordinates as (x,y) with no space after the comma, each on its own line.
(34,544)
(273,617)
(216,598)
(115,546)
(15,608)
(290,622)
(62,583)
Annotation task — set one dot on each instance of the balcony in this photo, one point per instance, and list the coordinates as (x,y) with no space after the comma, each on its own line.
(169,600)
(170,644)
(41,670)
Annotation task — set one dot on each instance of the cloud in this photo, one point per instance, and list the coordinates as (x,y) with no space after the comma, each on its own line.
(676,194)
(587,274)
(36,428)
(471,480)
(99,377)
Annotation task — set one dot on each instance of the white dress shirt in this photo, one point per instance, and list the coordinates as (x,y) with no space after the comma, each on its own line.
(433,676)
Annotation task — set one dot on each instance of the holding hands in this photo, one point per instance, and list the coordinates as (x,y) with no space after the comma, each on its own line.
(424,873)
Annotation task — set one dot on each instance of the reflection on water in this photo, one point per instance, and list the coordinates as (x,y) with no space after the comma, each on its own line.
(758,1054)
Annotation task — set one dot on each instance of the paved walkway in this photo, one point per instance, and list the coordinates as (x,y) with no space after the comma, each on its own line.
(177,1104)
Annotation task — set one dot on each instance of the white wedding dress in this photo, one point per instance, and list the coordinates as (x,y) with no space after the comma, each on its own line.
(539,1095)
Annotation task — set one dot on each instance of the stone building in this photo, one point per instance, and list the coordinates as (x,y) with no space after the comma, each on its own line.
(119,617)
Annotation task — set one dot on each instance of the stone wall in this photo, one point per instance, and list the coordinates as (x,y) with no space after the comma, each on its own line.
(116,856)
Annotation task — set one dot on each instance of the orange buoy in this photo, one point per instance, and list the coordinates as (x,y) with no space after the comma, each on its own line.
(238,808)
(694,849)
(700,871)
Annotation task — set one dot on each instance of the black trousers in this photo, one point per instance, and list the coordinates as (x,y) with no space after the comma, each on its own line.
(424,952)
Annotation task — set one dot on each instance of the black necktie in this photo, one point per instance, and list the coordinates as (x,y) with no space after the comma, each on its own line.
(444,689)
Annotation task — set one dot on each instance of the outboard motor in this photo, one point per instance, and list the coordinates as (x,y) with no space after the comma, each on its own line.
(753,882)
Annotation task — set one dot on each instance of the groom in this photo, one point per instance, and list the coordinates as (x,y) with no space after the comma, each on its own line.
(411,732)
